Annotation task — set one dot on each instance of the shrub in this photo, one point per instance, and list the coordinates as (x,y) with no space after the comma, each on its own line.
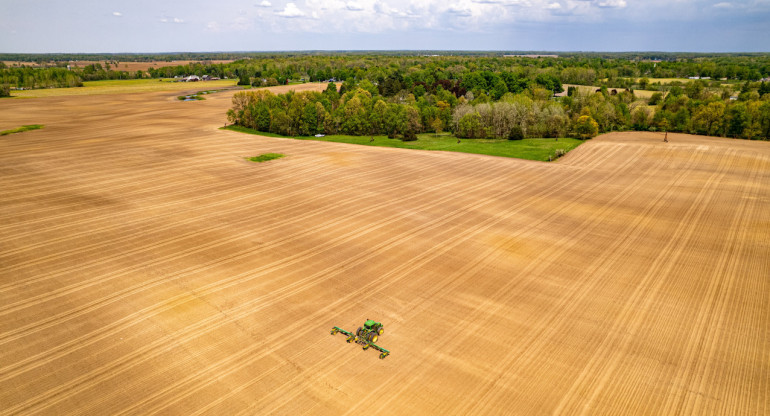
(409,136)
(655,98)
(516,133)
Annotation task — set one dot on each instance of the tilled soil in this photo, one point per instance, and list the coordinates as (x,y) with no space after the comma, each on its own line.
(147,267)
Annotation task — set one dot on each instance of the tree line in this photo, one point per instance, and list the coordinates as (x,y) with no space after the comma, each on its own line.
(472,70)
(364,108)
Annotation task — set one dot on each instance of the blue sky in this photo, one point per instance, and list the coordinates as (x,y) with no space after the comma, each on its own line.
(43,26)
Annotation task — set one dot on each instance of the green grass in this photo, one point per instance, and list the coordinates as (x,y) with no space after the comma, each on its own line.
(265,157)
(531,149)
(21,129)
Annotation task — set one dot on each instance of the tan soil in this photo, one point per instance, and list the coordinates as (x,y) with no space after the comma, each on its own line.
(121,66)
(146,267)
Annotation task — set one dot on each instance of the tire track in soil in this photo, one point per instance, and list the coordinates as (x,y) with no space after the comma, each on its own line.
(466,234)
(219,202)
(168,212)
(463,275)
(606,357)
(604,264)
(122,363)
(436,203)
(721,285)
(57,319)
(480,172)
(517,281)
(150,191)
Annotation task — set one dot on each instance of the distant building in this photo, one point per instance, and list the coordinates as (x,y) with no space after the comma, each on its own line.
(530,56)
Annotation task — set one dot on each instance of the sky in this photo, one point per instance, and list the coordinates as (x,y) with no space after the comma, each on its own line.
(49,26)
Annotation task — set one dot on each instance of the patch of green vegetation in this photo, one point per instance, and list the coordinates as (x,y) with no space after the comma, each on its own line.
(265,157)
(191,97)
(21,129)
(241,129)
(530,149)
(197,96)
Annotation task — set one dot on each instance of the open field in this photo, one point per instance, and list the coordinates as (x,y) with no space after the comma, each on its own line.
(530,149)
(664,80)
(147,267)
(125,86)
(587,89)
(121,66)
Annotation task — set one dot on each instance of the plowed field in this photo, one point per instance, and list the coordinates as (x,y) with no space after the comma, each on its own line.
(147,267)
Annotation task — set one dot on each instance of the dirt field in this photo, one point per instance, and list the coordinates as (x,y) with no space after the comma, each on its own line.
(126,86)
(121,66)
(585,89)
(146,267)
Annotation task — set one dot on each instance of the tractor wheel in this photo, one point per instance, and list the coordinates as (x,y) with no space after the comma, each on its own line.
(366,346)
(334,331)
(359,330)
(383,355)
(382,329)
(373,338)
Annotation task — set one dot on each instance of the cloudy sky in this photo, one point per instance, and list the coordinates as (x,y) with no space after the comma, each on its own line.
(268,25)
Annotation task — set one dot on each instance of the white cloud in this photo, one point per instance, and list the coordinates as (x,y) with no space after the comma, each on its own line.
(354,7)
(291,10)
(264,3)
(619,4)
(166,19)
(460,11)
(117,14)
(553,6)
(723,5)
(212,27)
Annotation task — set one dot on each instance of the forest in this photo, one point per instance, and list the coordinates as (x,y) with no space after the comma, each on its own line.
(505,105)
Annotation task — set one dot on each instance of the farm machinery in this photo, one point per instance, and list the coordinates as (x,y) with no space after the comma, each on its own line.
(366,335)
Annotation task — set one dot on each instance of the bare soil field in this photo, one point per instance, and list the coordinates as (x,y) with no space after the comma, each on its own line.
(147,268)
(587,89)
(120,66)
(126,86)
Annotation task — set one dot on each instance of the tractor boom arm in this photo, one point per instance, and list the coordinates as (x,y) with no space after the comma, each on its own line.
(338,329)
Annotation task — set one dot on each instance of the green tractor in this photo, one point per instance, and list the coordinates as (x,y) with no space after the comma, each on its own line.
(366,335)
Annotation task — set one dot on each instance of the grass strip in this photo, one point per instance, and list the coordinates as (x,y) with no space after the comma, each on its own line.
(265,157)
(530,149)
(21,129)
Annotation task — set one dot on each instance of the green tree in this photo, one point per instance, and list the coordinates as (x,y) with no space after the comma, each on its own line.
(354,117)
(470,126)
(737,120)
(437,125)
(395,120)
(378,116)
(309,125)
(763,119)
(708,119)
(586,127)
(243,79)
(413,122)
